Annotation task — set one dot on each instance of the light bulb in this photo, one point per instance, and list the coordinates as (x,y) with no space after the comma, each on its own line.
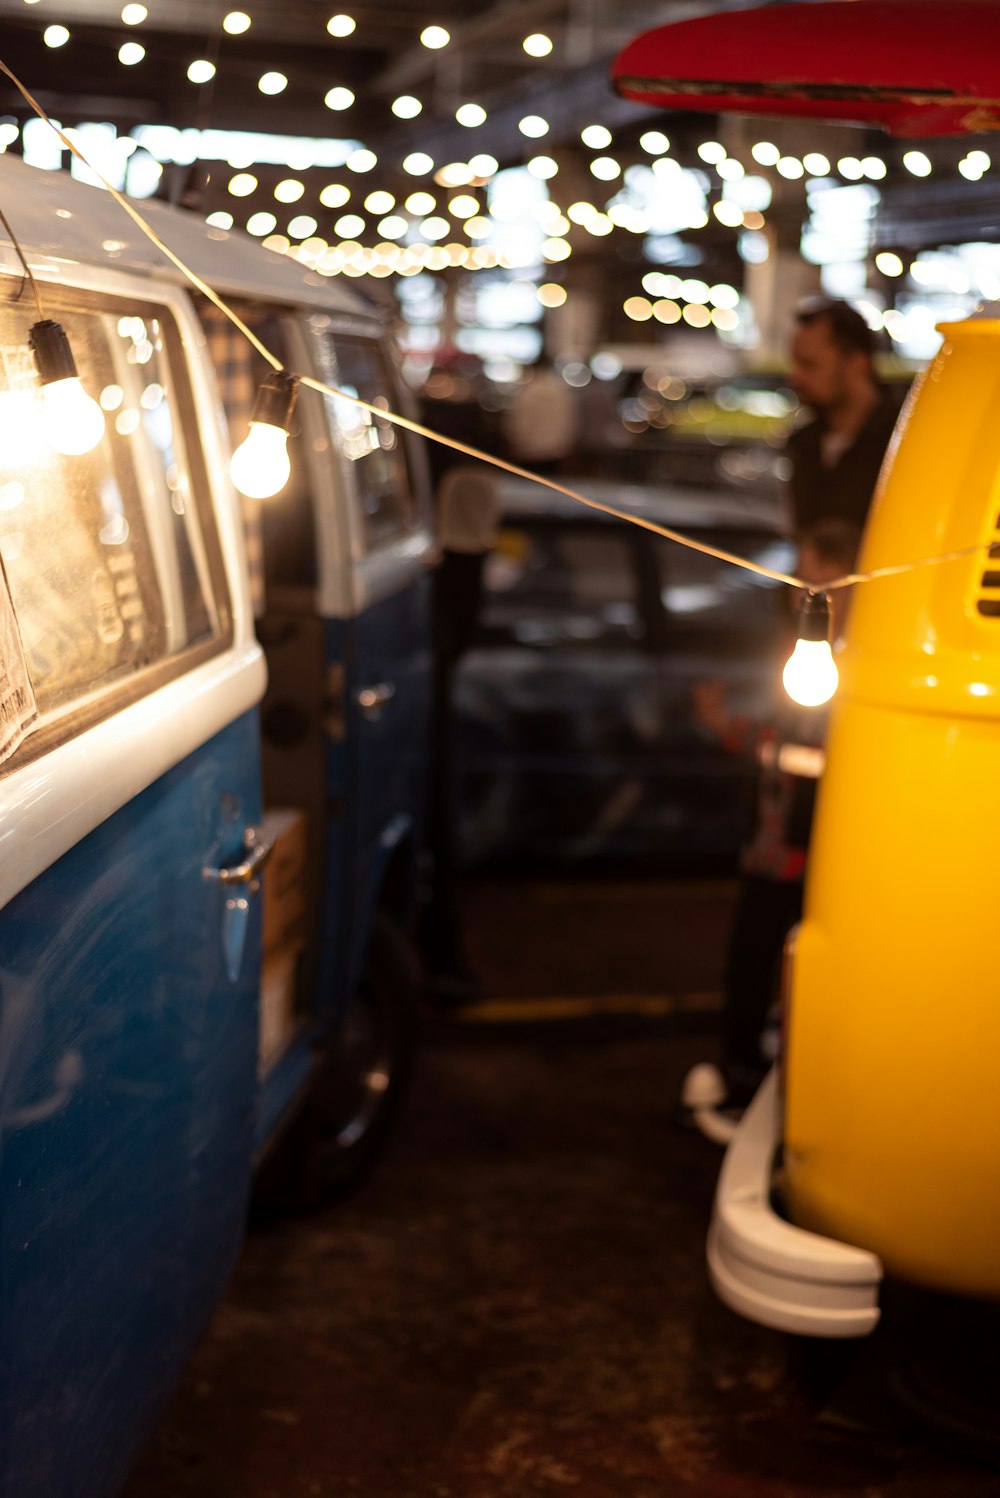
(74,423)
(810,676)
(261,466)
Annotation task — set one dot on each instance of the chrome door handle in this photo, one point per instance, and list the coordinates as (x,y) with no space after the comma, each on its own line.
(259,849)
(372,700)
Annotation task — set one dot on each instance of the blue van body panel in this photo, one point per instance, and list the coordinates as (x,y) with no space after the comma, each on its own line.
(387,761)
(332,959)
(127,1073)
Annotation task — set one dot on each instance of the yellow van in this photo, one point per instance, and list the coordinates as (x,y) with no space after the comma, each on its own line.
(887,1112)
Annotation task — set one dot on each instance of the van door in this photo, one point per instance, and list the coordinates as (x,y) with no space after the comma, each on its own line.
(387,693)
(129,968)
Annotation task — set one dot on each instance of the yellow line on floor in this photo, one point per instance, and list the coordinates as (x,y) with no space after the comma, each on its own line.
(638,893)
(527,1011)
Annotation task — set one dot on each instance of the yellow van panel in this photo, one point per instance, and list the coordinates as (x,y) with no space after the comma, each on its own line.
(892,1103)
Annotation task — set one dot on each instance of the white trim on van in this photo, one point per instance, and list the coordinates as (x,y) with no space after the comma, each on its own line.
(766,1268)
(62,222)
(47,807)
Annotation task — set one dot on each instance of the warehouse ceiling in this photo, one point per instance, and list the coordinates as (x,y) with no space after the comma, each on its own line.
(379,60)
(370,141)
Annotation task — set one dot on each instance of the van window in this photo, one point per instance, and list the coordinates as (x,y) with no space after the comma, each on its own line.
(108,562)
(374,448)
(280,532)
(569,586)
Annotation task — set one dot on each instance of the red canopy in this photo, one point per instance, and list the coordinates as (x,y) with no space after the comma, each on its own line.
(915,67)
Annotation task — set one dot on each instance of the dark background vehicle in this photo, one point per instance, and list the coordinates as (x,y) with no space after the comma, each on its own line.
(577,731)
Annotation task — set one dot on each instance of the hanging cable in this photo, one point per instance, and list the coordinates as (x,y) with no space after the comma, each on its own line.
(27,268)
(849,580)
(141,223)
(74,422)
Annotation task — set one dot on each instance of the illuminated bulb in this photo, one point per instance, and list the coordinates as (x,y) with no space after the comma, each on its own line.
(712,151)
(463,206)
(435,37)
(289,191)
(810,676)
(917,163)
(74,423)
(765,153)
(537,44)
(341,25)
(543,167)
(55,36)
(261,466)
(201,70)
(455,174)
(236,22)
(889,264)
(406,107)
(418,163)
(596,136)
(334,195)
(134,15)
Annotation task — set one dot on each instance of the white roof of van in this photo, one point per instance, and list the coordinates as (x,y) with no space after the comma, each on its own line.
(53,214)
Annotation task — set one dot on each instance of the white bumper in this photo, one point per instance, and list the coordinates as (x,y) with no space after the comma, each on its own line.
(770,1271)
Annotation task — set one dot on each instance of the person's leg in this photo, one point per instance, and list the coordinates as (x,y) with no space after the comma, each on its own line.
(766,911)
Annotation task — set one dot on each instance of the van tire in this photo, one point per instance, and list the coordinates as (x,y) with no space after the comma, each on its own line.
(335,1142)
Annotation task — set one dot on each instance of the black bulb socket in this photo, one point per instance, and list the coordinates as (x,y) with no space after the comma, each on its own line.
(814,617)
(53,355)
(276,399)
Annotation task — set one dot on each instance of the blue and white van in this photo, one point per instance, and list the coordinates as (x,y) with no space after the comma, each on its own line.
(188,690)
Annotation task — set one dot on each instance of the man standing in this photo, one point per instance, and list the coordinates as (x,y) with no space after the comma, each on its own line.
(836,457)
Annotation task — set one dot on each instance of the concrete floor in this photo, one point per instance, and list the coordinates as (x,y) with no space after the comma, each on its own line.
(517,1303)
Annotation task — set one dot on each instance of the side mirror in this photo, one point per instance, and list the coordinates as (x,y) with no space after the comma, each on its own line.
(468,510)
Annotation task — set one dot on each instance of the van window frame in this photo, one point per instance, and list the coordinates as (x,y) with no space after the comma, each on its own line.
(375,575)
(103,702)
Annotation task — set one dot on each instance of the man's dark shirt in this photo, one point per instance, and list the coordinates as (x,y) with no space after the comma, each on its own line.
(845,489)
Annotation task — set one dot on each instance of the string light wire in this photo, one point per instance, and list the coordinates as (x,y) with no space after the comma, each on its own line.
(848,580)
(28,275)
